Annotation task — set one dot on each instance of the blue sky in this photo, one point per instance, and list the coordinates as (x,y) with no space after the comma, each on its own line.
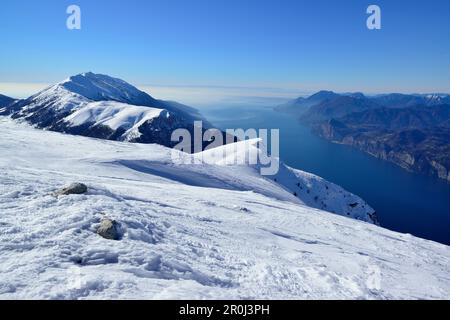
(287,46)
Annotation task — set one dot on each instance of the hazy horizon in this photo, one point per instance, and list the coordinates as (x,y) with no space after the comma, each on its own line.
(205,95)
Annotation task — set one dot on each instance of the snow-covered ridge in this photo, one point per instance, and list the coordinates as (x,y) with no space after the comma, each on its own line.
(190,232)
(302,187)
(56,97)
(113,115)
(116,115)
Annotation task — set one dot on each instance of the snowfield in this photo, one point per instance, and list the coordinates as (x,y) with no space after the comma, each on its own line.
(191,231)
(116,116)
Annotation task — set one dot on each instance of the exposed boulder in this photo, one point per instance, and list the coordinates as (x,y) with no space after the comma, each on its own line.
(110,229)
(74,188)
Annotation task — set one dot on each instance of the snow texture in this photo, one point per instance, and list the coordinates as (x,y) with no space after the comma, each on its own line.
(200,231)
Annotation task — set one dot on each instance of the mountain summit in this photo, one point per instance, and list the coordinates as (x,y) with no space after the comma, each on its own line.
(101,106)
(99,87)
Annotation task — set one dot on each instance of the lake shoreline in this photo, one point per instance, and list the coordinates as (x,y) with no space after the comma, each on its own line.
(405,202)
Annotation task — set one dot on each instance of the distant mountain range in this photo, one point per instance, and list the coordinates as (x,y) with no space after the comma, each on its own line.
(100,106)
(325,105)
(412,131)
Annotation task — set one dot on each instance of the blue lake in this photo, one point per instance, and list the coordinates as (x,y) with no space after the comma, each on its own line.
(405,202)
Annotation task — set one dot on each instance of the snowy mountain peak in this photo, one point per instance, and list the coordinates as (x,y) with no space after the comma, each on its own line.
(100,106)
(100,87)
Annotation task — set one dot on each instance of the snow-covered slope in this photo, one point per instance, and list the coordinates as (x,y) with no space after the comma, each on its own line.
(190,231)
(100,106)
(116,116)
(302,187)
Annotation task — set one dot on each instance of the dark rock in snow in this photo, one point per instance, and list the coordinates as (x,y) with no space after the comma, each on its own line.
(75,188)
(110,229)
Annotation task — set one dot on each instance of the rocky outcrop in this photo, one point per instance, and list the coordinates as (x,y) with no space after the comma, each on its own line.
(421,151)
(74,188)
(110,229)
